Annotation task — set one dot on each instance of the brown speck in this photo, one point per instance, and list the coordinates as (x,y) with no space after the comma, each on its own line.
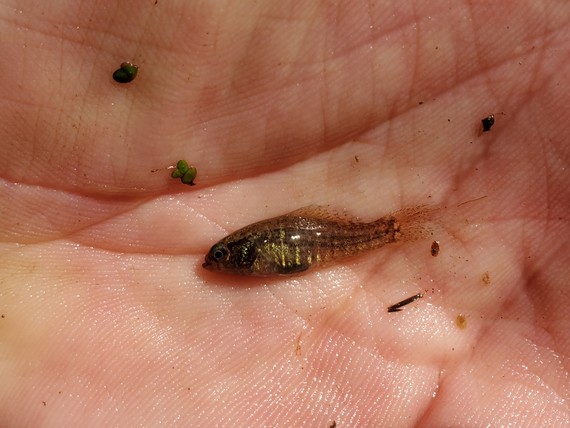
(333,425)
(298,345)
(3,316)
(486,278)
(461,322)
(435,248)
(488,122)
(356,158)
(44,403)
(421,102)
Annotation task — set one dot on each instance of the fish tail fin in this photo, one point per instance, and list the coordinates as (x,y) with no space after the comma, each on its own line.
(417,222)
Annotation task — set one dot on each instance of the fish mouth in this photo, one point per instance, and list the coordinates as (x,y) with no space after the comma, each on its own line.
(207,265)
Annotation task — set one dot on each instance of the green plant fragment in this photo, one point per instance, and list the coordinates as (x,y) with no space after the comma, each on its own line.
(189,176)
(186,173)
(126,73)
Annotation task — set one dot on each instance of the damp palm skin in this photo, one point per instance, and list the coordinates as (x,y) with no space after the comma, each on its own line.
(307,238)
(107,317)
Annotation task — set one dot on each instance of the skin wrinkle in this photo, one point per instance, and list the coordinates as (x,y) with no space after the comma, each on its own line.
(79,321)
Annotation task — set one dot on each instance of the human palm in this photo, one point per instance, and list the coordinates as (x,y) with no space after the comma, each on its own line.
(107,315)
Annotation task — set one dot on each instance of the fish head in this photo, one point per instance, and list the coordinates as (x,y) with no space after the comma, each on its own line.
(232,256)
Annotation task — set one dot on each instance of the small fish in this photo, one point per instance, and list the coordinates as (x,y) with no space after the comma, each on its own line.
(310,237)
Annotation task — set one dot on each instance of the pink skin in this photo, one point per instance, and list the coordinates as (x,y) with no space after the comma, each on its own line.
(107,315)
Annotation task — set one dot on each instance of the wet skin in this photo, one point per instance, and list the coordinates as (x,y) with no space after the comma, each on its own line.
(106,314)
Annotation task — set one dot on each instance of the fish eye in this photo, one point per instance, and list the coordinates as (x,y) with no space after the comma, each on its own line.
(219,252)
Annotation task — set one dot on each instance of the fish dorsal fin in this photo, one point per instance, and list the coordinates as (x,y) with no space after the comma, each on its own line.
(325,213)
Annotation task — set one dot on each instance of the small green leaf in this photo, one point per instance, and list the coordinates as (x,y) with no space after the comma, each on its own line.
(185,173)
(126,73)
(130,68)
(182,165)
(189,176)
